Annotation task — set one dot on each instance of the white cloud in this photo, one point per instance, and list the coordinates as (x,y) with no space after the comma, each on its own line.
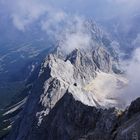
(75,35)
(24,12)
(53,21)
(69,30)
(136,42)
(56,22)
(132,91)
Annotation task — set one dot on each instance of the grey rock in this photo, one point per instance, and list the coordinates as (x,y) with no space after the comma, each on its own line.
(102,59)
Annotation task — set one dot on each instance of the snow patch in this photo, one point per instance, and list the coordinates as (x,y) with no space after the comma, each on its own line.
(15,107)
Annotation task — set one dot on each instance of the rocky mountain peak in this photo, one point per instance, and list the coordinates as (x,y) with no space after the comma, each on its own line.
(69,95)
(58,76)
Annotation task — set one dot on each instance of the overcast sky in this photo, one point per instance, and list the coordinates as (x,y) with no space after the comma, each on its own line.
(28,11)
(99,8)
(48,13)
